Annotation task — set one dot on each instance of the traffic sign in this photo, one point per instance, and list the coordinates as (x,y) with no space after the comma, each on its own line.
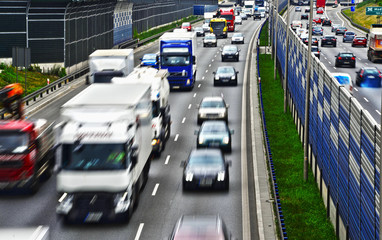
(374,11)
(352,1)
(352,8)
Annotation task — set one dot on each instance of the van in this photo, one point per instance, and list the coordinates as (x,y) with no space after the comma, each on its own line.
(261,10)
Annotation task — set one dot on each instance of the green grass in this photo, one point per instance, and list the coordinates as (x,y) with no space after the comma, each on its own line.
(360,17)
(264,35)
(302,205)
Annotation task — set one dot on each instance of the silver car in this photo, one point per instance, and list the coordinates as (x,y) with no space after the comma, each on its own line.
(210,40)
(212,108)
(237,38)
(238,20)
(206,27)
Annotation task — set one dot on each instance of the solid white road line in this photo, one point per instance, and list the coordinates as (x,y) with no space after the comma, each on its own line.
(183,120)
(138,235)
(155,189)
(167,159)
(176,137)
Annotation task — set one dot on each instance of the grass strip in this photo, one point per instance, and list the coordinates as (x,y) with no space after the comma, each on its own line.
(359,16)
(302,205)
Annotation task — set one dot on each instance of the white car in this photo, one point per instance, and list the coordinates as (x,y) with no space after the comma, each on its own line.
(206,27)
(238,20)
(237,38)
(301,31)
(344,79)
(210,40)
(212,108)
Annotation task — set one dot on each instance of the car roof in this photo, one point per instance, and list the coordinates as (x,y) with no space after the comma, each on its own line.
(216,98)
(329,36)
(189,224)
(225,67)
(207,151)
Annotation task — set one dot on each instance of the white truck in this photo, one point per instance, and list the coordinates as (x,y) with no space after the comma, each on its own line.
(208,16)
(160,90)
(103,150)
(249,7)
(104,64)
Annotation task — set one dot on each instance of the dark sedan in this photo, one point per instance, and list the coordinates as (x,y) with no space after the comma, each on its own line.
(304,16)
(329,40)
(317,31)
(205,168)
(214,134)
(326,22)
(348,37)
(225,75)
(341,30)
(306,41)
(368,77)
(359,41)
(230,52)
(345,58)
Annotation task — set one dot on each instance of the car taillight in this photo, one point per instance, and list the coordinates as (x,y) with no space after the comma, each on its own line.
(339,58)
(353,58)
(334,39)
(380,76)
(350,88)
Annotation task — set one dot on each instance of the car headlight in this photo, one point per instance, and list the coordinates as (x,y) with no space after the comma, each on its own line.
(120,202)
(216,77)
(201,140)
(221,114)
(221,176)
(202,115)
(223,53)
(189,177)
(65,203)
(226,140)
(233,77)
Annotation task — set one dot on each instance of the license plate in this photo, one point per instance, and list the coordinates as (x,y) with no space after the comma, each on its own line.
(206,182)
(93,216)
(371,77)
(346,62)
(214,145)
(230,56)
(360,41)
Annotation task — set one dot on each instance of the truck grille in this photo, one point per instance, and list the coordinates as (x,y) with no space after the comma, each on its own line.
(177,74)
(94,201)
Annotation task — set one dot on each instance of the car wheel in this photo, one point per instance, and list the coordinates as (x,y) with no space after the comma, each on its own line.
(204,45)
(235,83)
(199,121)
(335,45)
(237,59)
(222,59)
(336,65)
(231,42)
(322,44)
(353,65)
(352,45)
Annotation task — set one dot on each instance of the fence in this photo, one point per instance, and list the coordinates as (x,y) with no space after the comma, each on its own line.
(343,140)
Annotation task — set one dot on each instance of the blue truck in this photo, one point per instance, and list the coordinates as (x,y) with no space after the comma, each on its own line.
(178,56)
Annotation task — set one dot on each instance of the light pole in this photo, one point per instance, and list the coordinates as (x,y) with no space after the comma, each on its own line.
(307,95)
(286,59)
(275,39)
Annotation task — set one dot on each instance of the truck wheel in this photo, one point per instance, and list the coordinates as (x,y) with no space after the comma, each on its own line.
(136,198)
(35,185)
(48,172)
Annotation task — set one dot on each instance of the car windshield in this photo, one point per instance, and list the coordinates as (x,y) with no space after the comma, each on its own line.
(341,28)
(210,37)
(13,142)
(371,71)
(205,160)
(360,38)
(90,157)
(199,29)
(317,28)
(175,60)
(346,54)
(186,24)
(214,128)
(149,57)
(229,49)
(212,104)
(237,35)
(350,33)
(314,49)
(225,70)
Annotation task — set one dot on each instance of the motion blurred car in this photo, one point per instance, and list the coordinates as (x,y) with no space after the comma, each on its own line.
(317,20)
(210,40)
(199,31)
(237,37)
(335,5)
(297,9)
(320,11)
(243,16)
(206,27)
(359,41)
(307,10)
(326,22)
(335,26)
(301,31)
(214,134)
(295,24)
(329,40)
(345,80)
(238,20)
(256,15)
(368,77)
(305,40)
(150,59)
(205,168)
(201,228)
(316,51)
(212,108)
(304,16)
(317,31)
(225,75)
(230,52)
(348,37)
(345,58)
(313,25)
(341,30)
(187,26)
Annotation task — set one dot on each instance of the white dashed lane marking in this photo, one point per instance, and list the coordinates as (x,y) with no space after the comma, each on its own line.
(167,159)
(138,235)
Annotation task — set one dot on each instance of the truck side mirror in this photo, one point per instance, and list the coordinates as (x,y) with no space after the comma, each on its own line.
(193,59)
(134,154)
(367,35)
(182,163)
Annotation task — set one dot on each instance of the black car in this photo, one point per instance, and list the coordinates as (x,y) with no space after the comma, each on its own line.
(326,22)
(205,168)
(307,10)
(225,75)
(230,52)
(368,77)
(256,15)
(341,30)
(306,40)
(316,51)
(329,40)
(304,16)
(214,134)
(345,58)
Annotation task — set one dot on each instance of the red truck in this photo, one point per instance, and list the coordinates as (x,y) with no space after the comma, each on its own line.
(320,4)
(26,149)
(229,15)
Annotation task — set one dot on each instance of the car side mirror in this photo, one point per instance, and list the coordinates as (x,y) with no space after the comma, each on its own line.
(182,163)
(140,59)
(227,105)
(239,50)
(237,72)
(232,131)
(228,163)
(214,72)
(196,132)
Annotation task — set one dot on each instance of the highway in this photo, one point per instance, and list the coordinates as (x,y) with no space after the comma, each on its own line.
(162,201)
(369,98)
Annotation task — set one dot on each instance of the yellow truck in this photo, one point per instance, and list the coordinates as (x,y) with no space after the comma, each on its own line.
(218,26)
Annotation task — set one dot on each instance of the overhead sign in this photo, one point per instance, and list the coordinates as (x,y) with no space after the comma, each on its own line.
(374,11)
(352,8)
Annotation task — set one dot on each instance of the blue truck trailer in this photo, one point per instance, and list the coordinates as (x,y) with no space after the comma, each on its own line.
(178,56)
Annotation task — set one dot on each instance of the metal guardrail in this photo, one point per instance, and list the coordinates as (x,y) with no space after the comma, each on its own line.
(353,23)
(58,84)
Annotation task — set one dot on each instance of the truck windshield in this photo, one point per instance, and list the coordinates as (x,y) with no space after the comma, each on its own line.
(227,17)
(217,25)
(90,157)
(13,142)
(168,60)
(106,76)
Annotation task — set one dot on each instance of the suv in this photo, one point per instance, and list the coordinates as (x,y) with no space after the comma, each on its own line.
(329,40)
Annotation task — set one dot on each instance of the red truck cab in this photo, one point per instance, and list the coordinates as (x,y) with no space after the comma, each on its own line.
(229,15)
(25,153)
